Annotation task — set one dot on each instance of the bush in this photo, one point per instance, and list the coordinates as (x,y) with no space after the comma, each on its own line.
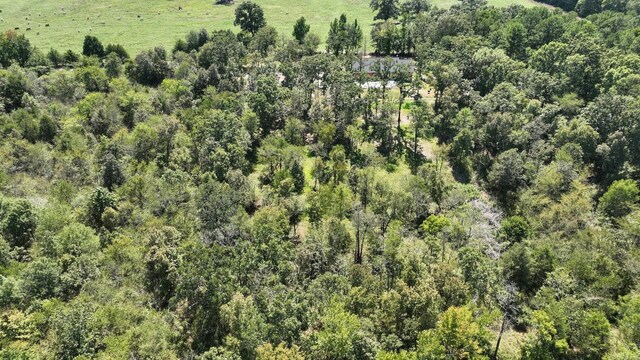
(19,223)
(92,47)
(620,199)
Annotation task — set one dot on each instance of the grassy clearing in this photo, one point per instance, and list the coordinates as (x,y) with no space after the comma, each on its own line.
(141,24)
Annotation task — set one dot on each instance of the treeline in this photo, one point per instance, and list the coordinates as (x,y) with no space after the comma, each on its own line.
(585,8)
(401,29)
(244,197)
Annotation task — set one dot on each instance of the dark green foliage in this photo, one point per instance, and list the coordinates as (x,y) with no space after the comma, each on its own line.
(585,8)
(70,56)
(386,9)
(221,57)
(250,17)
(92,47)
(150,67)
(113,65)
(41,279)
(514,229)
(266,102)
(14,84)
(297,173)
(301,29)
(222,142)
(507,174)
(112,175)
(343,38)
(161,264)
(14,49)
(99,200)
(55,57)
(264,40)
(48,129)
(387,38)
(216,207)
(118,50)
(527,268)
(196,39)
(19,222)
(415,7)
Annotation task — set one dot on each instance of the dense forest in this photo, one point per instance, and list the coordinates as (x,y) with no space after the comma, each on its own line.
(255,195)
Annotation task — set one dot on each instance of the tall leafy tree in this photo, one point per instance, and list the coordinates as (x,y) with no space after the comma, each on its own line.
(301,29)
(14,48)
(419,127)
(343,38)
(386,9)
(250,17)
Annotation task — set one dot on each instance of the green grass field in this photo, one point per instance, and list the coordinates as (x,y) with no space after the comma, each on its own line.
(140,24)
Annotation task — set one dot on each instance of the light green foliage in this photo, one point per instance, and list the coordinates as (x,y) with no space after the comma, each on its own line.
(71,334)
(620,198)
(93,78)
(514,229)
(245,325)
(545,342)
(281,352)
(456,336)
(41,279)
(340,336)
(222,142)
(630,323)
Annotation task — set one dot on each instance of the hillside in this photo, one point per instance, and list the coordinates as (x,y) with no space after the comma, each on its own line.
(138,24)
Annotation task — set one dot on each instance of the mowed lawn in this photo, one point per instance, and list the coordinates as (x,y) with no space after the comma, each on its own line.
(140,24)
